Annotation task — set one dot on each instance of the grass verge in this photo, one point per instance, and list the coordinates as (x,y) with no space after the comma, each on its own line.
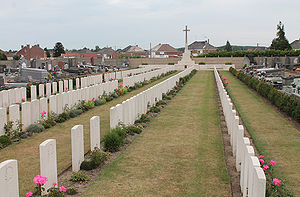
(273,136)
(27,151)
(180,153)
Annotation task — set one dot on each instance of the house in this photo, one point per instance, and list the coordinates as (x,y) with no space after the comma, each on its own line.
(296,45)
(164,51)
(133,51)
(199,47)
(34,52)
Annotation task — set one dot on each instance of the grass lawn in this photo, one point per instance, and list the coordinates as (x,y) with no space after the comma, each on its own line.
(274,136)
(179,154)
(27,151)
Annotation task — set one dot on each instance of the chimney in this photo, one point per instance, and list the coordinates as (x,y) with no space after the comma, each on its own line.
(38,45)
(208,41)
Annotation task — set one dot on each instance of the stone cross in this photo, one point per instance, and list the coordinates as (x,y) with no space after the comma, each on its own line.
(186,40)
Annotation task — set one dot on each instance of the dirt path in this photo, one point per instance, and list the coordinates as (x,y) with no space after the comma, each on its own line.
(180,154)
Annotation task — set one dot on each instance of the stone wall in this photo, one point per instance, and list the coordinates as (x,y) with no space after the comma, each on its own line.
(237,61)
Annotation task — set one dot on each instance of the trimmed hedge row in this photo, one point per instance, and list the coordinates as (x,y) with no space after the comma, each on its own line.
(285,103)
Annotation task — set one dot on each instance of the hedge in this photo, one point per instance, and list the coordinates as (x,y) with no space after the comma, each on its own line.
(287,104)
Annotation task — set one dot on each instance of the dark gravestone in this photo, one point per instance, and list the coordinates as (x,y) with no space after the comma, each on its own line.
(1,80)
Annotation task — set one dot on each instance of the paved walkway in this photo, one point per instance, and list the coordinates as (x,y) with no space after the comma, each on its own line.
(179,154)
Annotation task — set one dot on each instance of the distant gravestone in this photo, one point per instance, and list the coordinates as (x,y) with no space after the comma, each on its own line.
(41,90)
(95,132)
(48,90)
(26,114)
(70,84)
(48,162)
(3,120)
(14,115)
(52,104)
(35,110)
(77,147)
(54,87)
(33,92)
(5,99)
(61,86)
(44,108)
(9,185)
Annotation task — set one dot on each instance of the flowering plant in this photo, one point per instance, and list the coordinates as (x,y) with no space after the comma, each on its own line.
(54,191)
(275,186)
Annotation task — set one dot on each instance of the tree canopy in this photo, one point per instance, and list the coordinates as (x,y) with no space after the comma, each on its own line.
(228,46)
(280,42)
(58,49)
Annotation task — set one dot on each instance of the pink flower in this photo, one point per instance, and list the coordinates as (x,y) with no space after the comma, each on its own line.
(93,98)
(62,189)
(261,161)
(276,181)
(23,100)
(29,194)
(40,180)
(45,95)
(265,167)
(54,184)
(273,162)
(261,157)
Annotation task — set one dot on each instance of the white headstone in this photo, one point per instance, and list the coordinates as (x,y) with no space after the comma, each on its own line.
(70,84)
(95,132)
(5,101)
(35,111)
(52,104)
(9,184)
(14,115)
(41,90)
(3,120)
(18,95)
(44,108)
(259,186)
(26,114)
(24,94)
(48,163)
(48,90)
(54,87)
(11,96)
(77,83)
(77,147)
(66,85)
(33,92)
(61,86)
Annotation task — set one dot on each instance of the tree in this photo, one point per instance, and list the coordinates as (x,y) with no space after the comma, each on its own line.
(58,49)
(47,52)
(228,46)
(97,48)
(16,57)
(280,43)
(3,56)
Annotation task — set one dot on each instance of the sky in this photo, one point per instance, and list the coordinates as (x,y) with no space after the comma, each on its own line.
(119,23)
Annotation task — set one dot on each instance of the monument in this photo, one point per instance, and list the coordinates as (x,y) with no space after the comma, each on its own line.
(186,60)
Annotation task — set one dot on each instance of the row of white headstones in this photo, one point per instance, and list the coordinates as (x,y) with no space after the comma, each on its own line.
(9,185)
(16,95)
(252,176)
(91,88)
(132,109)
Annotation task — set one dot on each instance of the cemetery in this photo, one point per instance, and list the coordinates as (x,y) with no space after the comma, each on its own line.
(173,129)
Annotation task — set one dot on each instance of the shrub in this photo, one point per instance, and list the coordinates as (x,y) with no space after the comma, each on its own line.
(144,118)
(35,128)
(165,97)
(75,112)
(228,63)
(154,109)
(112,141)
(132,130)
(144,63)
(171,63)
(161,102)
(4,141)
(71,191)
(79,176)
(201,63)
